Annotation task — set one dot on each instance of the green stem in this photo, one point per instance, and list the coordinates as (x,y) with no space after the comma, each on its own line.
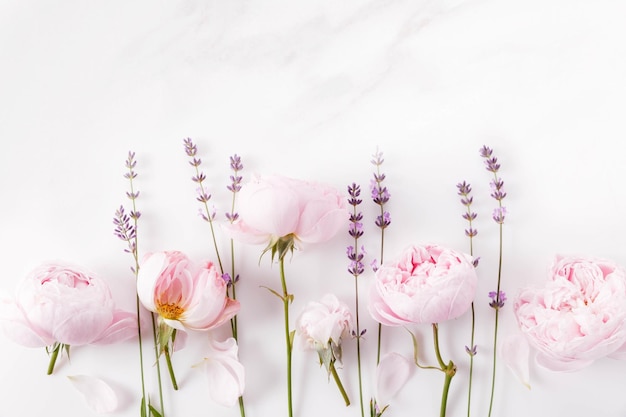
(449,370)
(288,342)
(446,387)
(333,371)
(380,326)
(53,358)
(170,368)
(495,332)
(471,366)
(158,362)
(358,344)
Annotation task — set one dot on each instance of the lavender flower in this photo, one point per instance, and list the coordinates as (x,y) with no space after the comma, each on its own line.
(202,195)
(380,194)
(497,185)
(356,268)
(497,299)
(471,351)
(466,199)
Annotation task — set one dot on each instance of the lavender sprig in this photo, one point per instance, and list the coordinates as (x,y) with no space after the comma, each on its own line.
(465,190)
(203,195)
(126,230)
(208,215)
(380,196)
(499,214)
(356,268)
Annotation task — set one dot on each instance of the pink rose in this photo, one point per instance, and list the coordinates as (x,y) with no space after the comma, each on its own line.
(184,294)
(59,303)
(427,284)
(274,207)
(578,316)
(323,322)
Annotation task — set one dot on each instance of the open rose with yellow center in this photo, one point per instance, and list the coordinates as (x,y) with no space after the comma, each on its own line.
(185,295)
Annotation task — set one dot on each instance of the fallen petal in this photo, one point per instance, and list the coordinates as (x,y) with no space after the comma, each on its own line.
(225,374)
(99,396)
(391,374)
(515,353)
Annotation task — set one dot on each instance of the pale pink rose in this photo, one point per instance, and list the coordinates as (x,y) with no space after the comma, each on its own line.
(578,317)
(184,294)
(426,284)
(274,206)
(65,304)
(320,323)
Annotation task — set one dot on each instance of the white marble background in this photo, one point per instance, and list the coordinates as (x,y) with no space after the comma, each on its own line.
(310,89)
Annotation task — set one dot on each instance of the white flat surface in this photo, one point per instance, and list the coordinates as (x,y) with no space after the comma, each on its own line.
(309,90)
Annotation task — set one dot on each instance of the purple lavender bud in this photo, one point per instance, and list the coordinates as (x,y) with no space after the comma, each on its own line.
(356,217)
(497,299)
(471,232)
(472,351)
(190,148)
(232,216)
(475,261)
(499,213)
(235,163)
(383,220)
(485,151)
(377,158)
(227,279)
(199,178)
(469,216)
(356,230)
(374,265)
(464,188)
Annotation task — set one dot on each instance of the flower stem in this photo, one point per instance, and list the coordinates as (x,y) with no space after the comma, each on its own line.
(358,344)
(333,371)
(158,362)
(495,332)
(288,339)
(471,366)
(170,368)
(53,358)
(449,370)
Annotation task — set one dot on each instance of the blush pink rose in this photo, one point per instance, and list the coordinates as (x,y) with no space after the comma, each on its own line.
(65,304)
(323,322)
(184,294)
(426,284)
(272,207)
(578,317)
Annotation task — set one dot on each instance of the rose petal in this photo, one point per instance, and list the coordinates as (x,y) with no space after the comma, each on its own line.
(123,327)
(225,374)
(99,396)
(15,326)
(392,373)
(515,353)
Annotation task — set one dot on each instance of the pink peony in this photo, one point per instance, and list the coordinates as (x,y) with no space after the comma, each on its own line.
(274,207)
(427,284)
(578,316)
(60,303)
(185,295)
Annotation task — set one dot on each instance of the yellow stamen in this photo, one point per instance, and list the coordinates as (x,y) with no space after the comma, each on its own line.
(170,311)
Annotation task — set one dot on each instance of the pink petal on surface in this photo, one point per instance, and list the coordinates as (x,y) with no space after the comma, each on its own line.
(225,374)
(98,395)
(515,353)
(392,373)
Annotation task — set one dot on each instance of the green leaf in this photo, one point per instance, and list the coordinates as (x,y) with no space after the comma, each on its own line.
(273,292)
(292,334)
(154,412)
(143,407)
